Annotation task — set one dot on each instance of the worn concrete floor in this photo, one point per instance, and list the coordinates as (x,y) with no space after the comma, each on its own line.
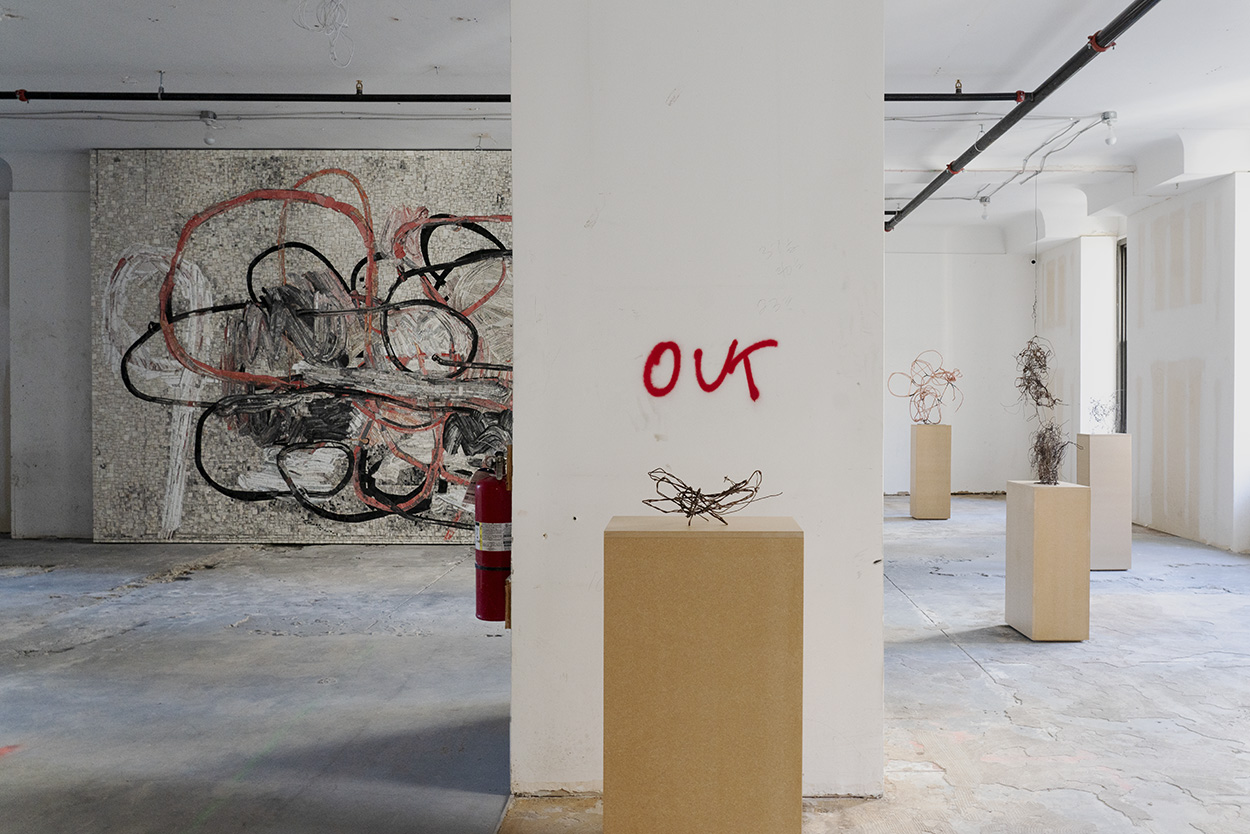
(263,689)
(1144,728)
(349,689)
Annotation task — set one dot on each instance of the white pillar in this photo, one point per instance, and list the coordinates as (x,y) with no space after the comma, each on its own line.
(6,512)
(696,173)
(1076,313)
(1098,278)
(50,345)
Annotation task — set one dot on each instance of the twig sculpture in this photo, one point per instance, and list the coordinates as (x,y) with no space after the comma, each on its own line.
(928,386)
(676,496)
(1047,446)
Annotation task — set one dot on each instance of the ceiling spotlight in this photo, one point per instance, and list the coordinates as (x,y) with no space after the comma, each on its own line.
(985,208)
(1108,118)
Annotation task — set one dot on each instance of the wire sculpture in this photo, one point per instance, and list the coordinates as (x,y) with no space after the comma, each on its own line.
(690,502)
(929,386)
(1046,445)
(1033,383)
(1047,452)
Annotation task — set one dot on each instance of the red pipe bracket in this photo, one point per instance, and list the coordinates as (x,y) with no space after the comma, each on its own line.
(1093,42)
(951,170)
(21,95)
(1019,96)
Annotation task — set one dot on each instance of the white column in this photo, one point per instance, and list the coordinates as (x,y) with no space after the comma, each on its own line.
(1076,313)
(1241,364)
(1098,334)
(50,345)
(6,513)
(696,173)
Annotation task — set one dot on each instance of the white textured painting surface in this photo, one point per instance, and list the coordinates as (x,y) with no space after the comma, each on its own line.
(298,346)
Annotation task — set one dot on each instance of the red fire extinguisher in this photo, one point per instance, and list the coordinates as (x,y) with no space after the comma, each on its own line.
(492,504)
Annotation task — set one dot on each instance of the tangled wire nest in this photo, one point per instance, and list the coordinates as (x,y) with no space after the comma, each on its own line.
(676,496)
(929,385)
(1047,446)
(1034,365)
(1047,452)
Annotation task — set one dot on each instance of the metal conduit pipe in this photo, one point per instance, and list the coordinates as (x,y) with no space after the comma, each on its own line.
(1100,41)
(404,98)
(162,95)
(1017,96)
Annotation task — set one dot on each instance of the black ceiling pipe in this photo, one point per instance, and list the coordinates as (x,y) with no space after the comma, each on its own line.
(404,98)
(328,98)
(1100,41)
(1017,96)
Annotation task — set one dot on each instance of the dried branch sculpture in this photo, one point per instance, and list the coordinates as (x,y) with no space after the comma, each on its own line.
(928,387)
(676,496)
(1047,446)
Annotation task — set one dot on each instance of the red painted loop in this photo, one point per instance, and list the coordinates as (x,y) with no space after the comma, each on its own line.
(951,170)
(1019,96)
(1093,42)
(21,95)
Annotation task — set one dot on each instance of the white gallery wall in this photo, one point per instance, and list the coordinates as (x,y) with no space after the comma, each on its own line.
(50,345)
(668,190)
(1188,364)
(959,293)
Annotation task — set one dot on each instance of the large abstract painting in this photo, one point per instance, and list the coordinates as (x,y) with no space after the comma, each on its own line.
(298,346)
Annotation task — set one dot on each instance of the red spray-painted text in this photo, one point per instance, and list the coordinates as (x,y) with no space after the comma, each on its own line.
(733,358)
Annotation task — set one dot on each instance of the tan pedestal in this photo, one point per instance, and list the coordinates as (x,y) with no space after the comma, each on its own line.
(930,471)
(1048,560)
(1104,463)
(702,675)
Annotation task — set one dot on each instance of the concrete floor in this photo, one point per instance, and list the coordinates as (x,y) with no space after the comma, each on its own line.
(224,689)
(1144,728)
(347,689)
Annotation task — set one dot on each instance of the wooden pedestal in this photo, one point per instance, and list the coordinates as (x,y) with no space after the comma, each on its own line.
(1104,463)
(930,471)
(1048,560)
(702,675)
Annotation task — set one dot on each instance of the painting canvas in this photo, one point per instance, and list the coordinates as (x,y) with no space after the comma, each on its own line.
(297,346)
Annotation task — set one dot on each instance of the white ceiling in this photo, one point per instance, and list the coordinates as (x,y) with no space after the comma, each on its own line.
(203,46)
(1183,67)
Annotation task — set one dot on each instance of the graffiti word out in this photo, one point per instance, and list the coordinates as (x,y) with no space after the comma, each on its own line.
(733,358)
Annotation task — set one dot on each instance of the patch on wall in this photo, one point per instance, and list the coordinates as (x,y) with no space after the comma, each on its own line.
(297,346)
